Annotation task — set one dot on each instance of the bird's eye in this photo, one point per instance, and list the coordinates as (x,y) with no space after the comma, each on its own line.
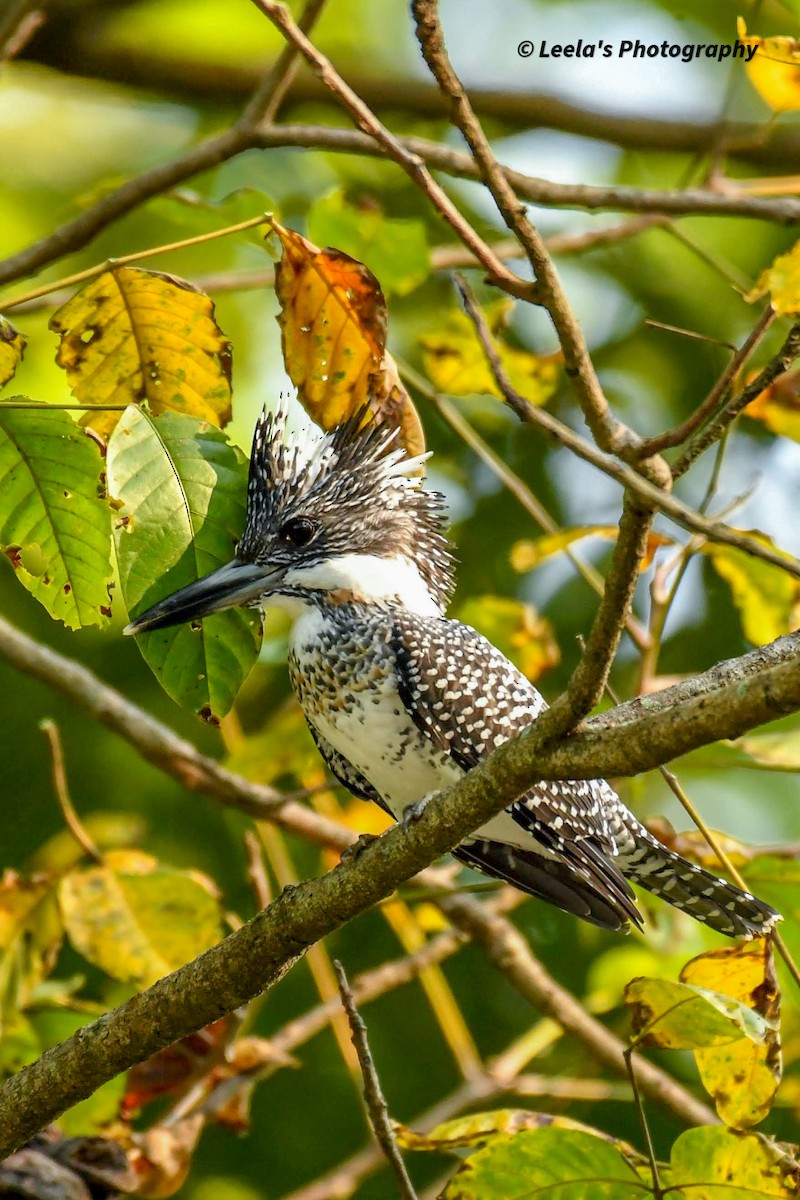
(297,531)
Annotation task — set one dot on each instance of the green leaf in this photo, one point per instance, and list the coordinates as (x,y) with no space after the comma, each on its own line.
(714,1163)
(396,251)
(563,1164)
(54,523)
(678,1016)
(137,919)
(12,348)
(182,489)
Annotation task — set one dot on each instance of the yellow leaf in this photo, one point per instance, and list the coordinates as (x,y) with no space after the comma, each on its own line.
(767,598)
(714,1163)
(515,628)
(742,1076)
(31,933)
(528,553)
(476,1129)
(774,69)
(778,406)
(782,281)
(333,324)
(455,360)
(12,348)
(681,1016)
(137,919)
(132,335)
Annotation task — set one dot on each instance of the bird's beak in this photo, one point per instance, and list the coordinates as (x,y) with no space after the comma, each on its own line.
(237,584)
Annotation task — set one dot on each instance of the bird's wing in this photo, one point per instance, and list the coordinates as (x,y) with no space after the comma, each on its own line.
(345,772)
(467,698)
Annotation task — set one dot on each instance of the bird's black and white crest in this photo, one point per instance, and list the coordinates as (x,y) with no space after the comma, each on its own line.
(364,493)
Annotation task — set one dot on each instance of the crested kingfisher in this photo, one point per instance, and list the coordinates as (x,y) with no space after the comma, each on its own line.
(402,700)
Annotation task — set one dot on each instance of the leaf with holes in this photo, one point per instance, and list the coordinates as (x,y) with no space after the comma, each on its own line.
(182,491)
(456,363)
(132,335)
(137,919)
(333,326)
(742,1076)
(55,525)
(12,348)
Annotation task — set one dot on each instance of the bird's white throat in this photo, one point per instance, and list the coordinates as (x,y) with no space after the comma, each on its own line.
(363,577)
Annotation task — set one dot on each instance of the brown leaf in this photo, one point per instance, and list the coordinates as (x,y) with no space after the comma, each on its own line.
(162,1156)
(333,324)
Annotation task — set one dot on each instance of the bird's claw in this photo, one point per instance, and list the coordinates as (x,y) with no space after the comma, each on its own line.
(352,852)
(414,811)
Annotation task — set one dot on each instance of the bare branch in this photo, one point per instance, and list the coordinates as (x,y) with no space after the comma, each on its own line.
(374,1100)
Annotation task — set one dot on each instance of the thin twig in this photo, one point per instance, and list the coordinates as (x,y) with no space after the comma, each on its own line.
(675,437)
(71,818)
(611,434)
(518,488)
(715,429)
(374,1100)
(394,147)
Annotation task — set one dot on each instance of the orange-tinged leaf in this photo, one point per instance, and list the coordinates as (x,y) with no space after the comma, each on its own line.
(455,360)
(774,70)
(132,335)
(12,348)
(528,553)
(782,281)
(333,323)
(778,406)
(742,1076)
(768,599)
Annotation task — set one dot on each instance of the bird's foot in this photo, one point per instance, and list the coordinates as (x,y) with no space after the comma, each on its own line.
(351,853)
(414,811)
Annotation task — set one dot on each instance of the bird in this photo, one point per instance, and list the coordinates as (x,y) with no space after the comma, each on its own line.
(402,700)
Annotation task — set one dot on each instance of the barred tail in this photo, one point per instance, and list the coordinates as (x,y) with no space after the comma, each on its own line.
(704,896)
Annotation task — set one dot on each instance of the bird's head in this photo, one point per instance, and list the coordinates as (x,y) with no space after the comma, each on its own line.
(331,517)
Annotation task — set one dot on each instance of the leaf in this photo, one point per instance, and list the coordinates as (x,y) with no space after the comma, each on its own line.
(782,281)
(163,1155)
(54,524)
(743,1076)
(768,599)
(333,328)
(517,629)
(774,69)
(137,919)
(396,251)
(477,1129)
(678,1016)
(529,553)
(570,1164)
(12,349)
(775,751)
(283,750)
(715,1163)
(778,406)
(132,335)
(182,491)
(455,361)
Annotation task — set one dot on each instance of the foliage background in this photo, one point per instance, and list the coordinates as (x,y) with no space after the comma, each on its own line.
(109,89)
